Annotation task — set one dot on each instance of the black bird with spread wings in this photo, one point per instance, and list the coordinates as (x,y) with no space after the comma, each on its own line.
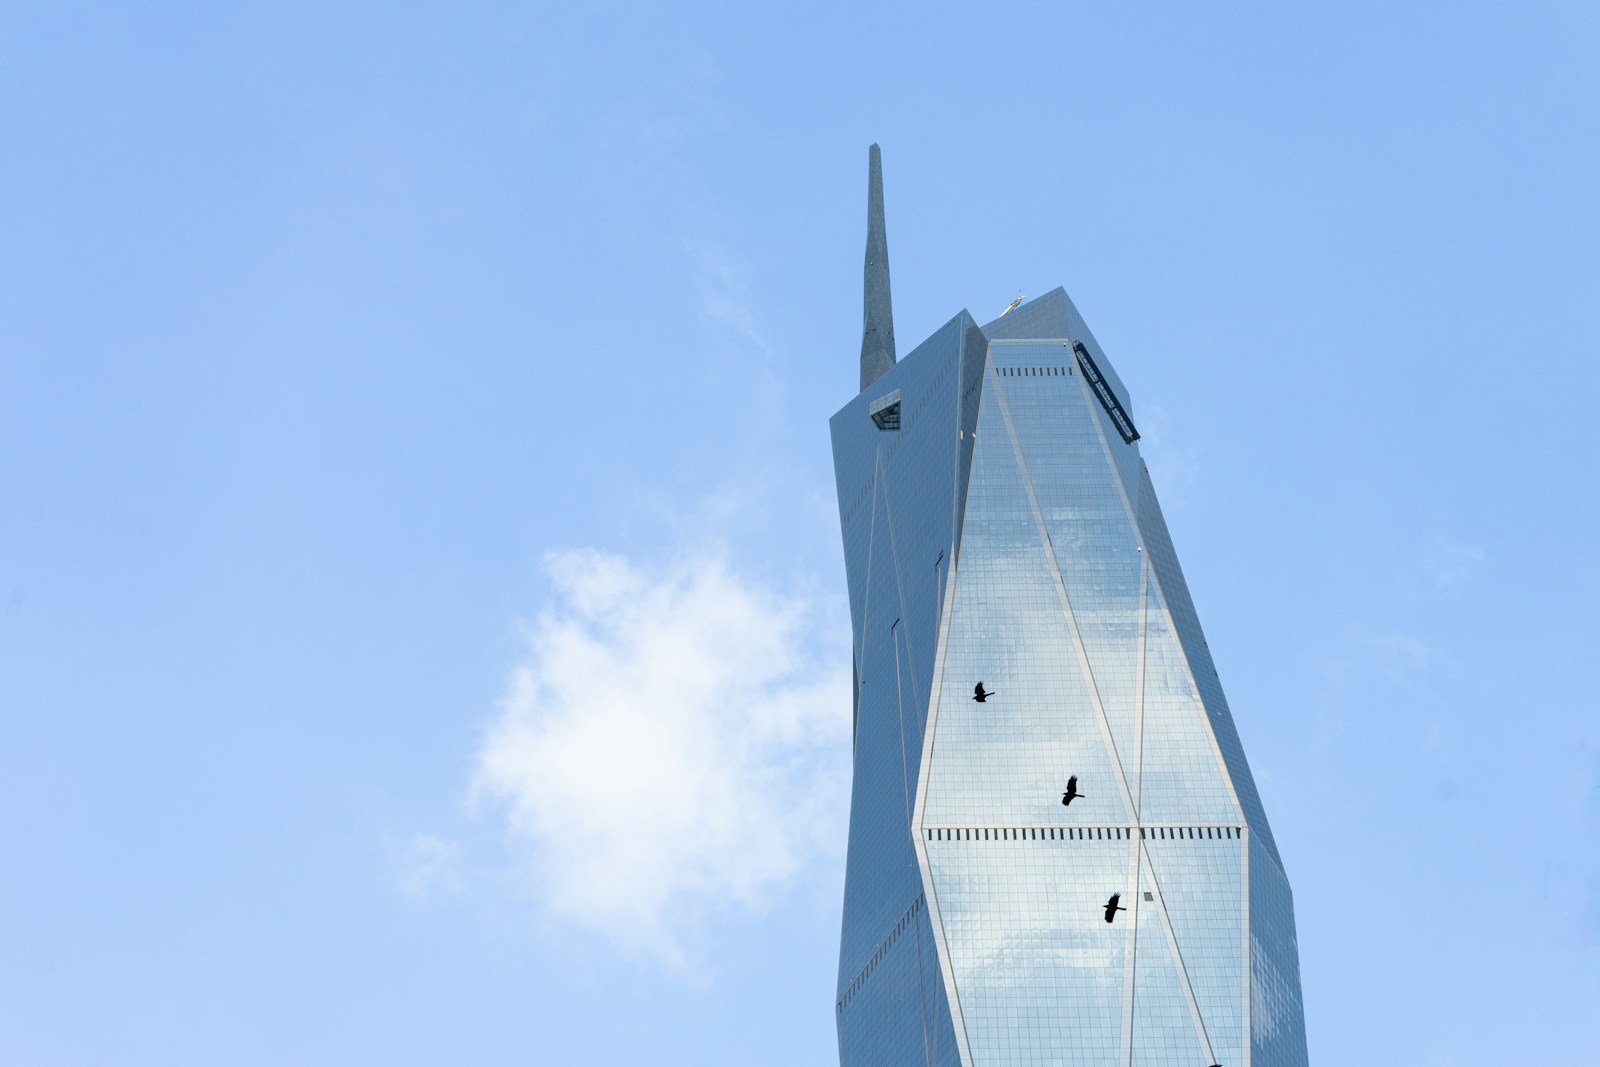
(1112,907)
(980,694)
(1072,792)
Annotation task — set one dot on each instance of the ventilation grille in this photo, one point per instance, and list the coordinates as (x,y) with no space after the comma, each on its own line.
(1034,372)
(1082,833)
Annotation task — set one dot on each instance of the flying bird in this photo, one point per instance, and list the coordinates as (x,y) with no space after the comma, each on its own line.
(1112,907)
(980,694)
(1072,791)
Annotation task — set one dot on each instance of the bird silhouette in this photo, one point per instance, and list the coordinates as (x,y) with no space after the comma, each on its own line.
(980,694)
(1072,791)
(1112,907)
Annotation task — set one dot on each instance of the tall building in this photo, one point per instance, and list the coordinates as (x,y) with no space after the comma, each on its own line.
(1023,638)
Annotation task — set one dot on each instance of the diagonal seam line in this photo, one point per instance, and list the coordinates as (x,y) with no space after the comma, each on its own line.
(866,604)
(1133,515)
(1130,951)
(1094,691)
(1138,532)
(1131,956)
(930,728)
(899,696)
(1245,1023)
(1177,954)
(1066,604)
(1138,685)
(859,652)
(894,563)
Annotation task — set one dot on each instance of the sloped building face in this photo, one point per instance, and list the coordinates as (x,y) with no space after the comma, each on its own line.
(1000,528)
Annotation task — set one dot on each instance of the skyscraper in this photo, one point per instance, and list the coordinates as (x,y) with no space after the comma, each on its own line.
(1057,853)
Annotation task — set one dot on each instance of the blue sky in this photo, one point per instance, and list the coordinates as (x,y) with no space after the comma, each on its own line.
(375,378)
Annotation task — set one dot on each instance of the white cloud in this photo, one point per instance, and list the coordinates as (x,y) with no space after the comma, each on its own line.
(675,744)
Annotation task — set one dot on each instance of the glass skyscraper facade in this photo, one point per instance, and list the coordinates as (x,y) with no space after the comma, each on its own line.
(1003,540)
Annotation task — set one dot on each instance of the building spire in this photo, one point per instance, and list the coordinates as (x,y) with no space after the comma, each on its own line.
(877,327)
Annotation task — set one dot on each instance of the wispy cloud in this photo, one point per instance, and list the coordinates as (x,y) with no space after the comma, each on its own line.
(1175,467)
(430,868)
(674,746)
(723,279)
(1448,564)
